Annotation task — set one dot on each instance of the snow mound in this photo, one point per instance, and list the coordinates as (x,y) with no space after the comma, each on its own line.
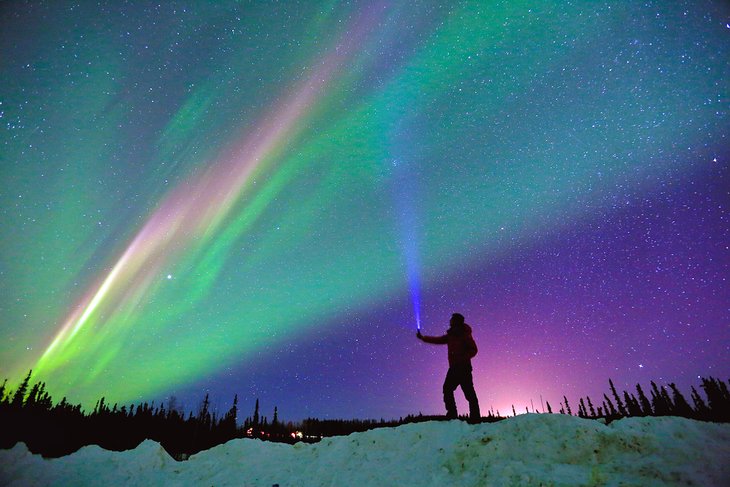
(531,449)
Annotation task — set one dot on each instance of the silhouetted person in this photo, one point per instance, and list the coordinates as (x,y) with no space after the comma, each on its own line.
(462,348)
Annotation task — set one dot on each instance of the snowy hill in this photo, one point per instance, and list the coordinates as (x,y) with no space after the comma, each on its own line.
(525,450)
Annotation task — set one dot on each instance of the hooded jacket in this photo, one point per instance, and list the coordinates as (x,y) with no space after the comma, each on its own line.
(462,347)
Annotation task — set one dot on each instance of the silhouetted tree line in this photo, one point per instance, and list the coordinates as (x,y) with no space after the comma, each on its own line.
(661,402)
(28,414)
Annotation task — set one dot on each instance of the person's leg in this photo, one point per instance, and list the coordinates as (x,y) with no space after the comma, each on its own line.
(450,384)
(467,386)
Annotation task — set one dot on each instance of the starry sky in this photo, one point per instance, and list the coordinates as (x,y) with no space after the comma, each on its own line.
(264,198)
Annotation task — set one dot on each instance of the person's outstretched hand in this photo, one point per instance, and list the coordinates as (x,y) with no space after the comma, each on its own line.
(418,334)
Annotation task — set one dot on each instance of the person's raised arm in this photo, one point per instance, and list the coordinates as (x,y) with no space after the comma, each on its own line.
(442,340)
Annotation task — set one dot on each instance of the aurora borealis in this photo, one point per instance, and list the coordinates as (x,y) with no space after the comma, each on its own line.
(257,198)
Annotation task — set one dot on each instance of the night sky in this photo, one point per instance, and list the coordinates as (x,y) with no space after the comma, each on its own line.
(263,198)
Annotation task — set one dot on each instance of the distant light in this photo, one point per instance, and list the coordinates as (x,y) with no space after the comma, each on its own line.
(169,276)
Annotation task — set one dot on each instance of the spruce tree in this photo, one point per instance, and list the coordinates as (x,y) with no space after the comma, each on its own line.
(567,406)
(619,405)
(632,405)
(43,399)
(30,401)
(724,391)
(701,409)
(234,409)
(19,395)
(608,406)
(681,406)
(203,413)
(658,401)
(718,399)
(667,400)
(643,401)
(590,407)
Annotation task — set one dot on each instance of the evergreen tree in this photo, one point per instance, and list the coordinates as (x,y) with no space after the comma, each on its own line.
(567,406)
(619,405)
(228,425)
(547,403)
(256,414)
(681,406)
(233,412)
(610,409)
(203,413)
(590,407)
(19,395)
(32,398)
(667,400)
(42,399)
(701,408)
(724,391)
(632,405)
(718,399)
(643,401)
(658,401)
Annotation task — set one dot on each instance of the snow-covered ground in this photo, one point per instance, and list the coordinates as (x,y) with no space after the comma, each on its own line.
(526,450)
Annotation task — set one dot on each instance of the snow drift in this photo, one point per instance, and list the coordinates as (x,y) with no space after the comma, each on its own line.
(530,449)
